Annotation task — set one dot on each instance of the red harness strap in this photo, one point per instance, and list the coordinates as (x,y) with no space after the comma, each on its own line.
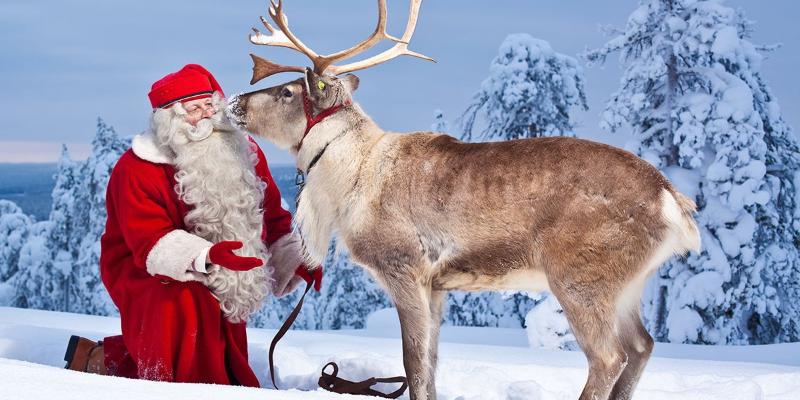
(312,120)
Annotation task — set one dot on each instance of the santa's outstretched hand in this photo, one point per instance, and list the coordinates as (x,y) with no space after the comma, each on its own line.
(222,254)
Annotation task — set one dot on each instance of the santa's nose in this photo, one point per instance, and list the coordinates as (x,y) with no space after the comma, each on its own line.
(209,112)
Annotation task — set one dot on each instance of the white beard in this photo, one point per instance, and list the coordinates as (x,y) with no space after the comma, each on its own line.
(215,165)
(203,129)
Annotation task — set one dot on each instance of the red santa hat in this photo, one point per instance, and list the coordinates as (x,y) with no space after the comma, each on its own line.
(190,83)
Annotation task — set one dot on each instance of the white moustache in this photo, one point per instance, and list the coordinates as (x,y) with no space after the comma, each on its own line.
(206,126)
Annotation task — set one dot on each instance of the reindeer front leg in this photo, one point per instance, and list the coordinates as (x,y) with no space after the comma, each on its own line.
(413,307)
(436,307)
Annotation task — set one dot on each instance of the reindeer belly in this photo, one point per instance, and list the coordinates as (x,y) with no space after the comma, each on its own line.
(518,279)
(479,254)
(488,265)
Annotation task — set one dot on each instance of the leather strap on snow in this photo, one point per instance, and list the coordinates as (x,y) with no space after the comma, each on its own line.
(284,328)
(331,382)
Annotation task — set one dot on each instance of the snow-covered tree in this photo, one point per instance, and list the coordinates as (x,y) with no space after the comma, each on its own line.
(275,311)
(41,279)
(59,263)
(698,108)
(34,284)
(501,309)
(547,327)
(61,241)
(529,92)
(14,226)
(7,294)
(349,294)
(440,124)
(87,293)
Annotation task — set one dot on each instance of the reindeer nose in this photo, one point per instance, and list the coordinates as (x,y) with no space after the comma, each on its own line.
(236,108)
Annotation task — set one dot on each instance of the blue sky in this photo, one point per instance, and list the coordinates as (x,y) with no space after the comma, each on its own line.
(64,63)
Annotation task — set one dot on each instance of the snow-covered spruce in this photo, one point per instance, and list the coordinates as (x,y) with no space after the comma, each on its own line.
(57,264)
(529,92)
(700,111)
(87,292)
(15,226)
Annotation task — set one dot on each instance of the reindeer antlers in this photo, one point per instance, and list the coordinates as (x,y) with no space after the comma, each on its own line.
(283,37)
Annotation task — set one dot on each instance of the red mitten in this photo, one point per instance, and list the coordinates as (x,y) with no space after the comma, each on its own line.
(222,254)
(310,276)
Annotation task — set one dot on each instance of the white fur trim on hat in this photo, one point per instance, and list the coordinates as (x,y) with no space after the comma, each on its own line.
(174,254)
(146,146)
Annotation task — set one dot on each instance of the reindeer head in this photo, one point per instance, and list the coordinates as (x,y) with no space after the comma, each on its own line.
(278,113)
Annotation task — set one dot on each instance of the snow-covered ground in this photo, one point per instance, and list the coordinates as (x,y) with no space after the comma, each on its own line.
(475,363)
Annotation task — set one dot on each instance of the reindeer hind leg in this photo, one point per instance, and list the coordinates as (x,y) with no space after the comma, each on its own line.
(638,345)
(593,322)
(635,339)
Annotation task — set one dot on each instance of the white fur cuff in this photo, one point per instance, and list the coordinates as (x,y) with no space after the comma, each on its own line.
(200,261)
(174,254)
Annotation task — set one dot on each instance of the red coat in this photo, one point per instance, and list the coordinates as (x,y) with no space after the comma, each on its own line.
(172,327)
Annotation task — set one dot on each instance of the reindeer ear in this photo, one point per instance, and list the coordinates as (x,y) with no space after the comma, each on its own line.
(316,85)
(309,78)
(351,82)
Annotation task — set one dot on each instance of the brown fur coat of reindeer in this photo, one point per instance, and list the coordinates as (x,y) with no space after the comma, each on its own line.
(425,213)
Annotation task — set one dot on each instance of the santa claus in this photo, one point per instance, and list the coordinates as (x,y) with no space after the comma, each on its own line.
(195,240)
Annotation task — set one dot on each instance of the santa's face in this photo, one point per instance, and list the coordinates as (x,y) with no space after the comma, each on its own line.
(197,110)
(190,121)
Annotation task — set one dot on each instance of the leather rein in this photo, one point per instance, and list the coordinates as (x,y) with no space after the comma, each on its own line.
(330,381)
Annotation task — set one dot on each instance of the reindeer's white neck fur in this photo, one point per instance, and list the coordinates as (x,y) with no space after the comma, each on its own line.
(329,196)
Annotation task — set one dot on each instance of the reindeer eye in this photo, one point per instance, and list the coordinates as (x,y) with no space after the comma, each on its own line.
(321,85)
(286,92)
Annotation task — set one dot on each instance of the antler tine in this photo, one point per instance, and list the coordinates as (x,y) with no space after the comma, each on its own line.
(400,47)
(281,37)
(273,39)
(377,35)
(266,24)
(280,19)
(263,68)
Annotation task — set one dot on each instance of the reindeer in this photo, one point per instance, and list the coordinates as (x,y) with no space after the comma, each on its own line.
(425,213)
